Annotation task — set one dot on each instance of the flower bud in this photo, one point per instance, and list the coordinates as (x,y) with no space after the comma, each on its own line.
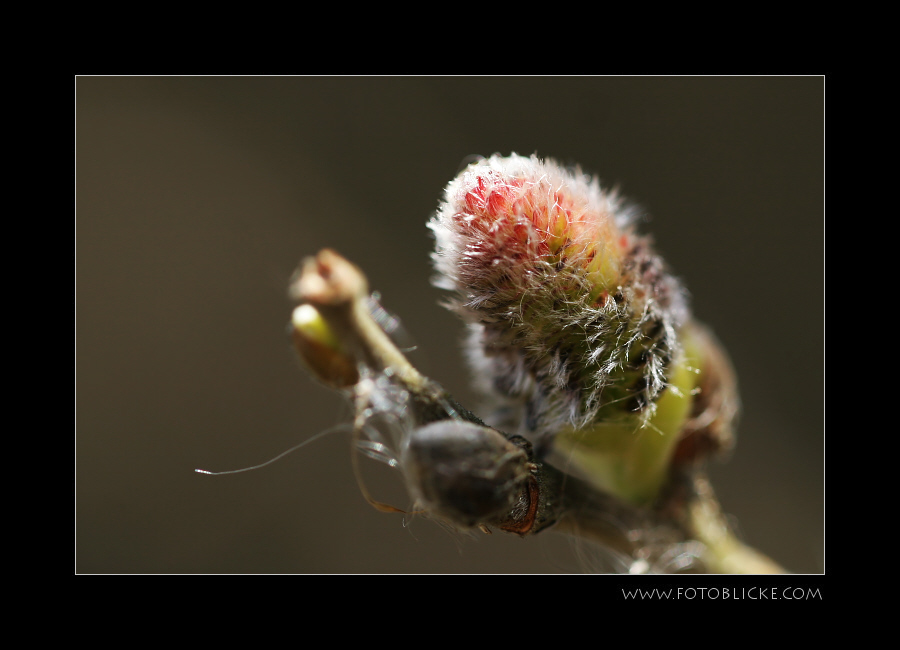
(558,285)
(320,349)
(574,320)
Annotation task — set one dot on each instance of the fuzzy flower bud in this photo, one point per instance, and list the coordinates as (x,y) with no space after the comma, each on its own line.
(574,320)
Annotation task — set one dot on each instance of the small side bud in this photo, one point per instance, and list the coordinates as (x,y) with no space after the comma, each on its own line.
(320,349)
(465,473)
(328,279)
(709,431)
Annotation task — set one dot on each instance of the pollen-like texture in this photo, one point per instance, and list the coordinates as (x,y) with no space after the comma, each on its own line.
(573,316)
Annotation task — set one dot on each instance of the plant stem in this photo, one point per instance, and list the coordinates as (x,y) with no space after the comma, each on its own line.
(683,529)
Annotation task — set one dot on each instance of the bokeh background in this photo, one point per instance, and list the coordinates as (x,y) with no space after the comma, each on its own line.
(196,197)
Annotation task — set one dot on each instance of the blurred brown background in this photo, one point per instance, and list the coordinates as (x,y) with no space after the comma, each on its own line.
(197,196)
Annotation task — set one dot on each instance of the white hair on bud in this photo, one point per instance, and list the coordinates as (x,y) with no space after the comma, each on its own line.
(570,311)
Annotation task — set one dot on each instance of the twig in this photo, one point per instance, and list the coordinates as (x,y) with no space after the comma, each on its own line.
(471,475)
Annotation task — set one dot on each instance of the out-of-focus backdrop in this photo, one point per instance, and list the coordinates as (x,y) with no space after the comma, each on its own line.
(196,197)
